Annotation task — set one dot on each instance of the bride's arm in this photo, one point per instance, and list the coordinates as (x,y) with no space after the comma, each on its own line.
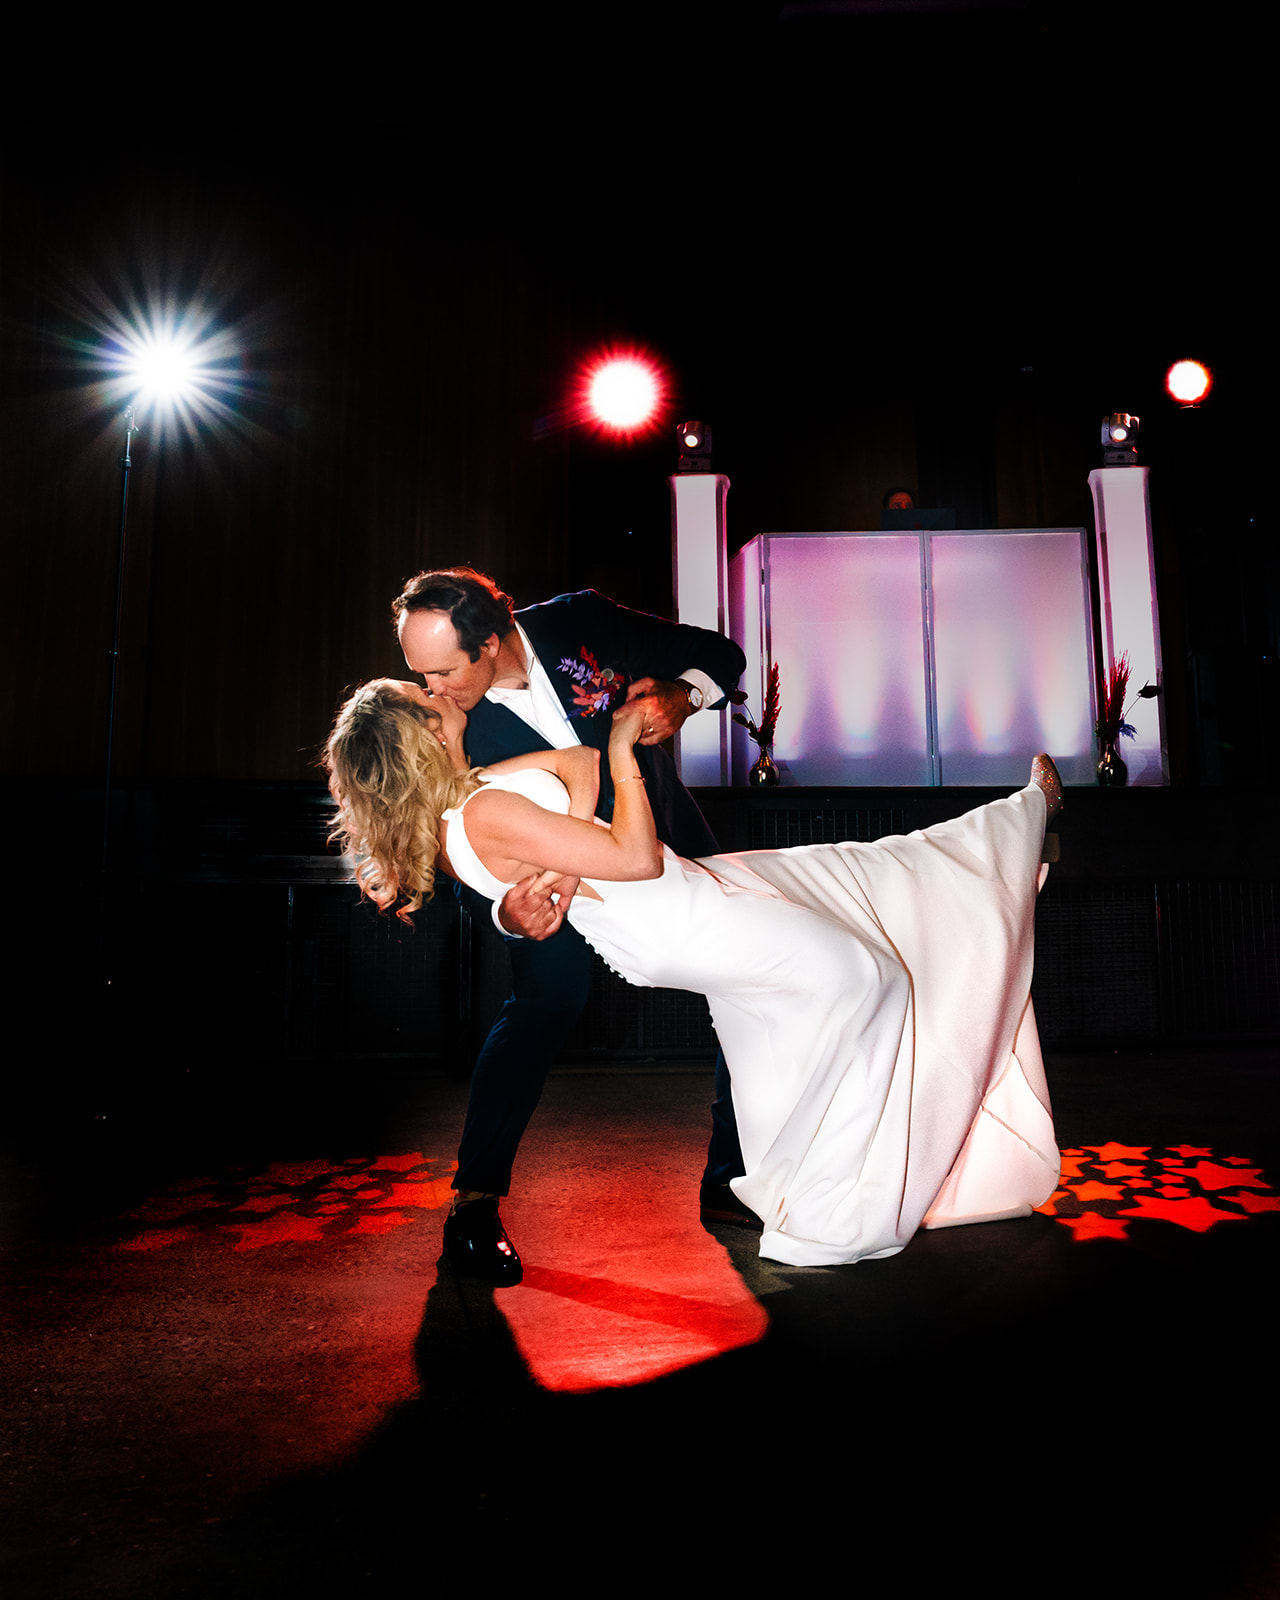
(514,837)
(632,813)
(578,768)
(535,907)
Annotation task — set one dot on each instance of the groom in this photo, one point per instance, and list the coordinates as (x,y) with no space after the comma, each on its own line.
(549,677)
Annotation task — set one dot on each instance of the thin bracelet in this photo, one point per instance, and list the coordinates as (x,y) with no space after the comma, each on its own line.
(634,778)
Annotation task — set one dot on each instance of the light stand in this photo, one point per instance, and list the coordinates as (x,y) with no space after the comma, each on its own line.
(126,462)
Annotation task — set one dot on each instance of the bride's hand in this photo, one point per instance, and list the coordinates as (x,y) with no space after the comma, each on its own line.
(628,722)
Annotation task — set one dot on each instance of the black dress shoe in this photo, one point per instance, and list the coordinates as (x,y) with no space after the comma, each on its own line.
(477,1244)
(718,1203)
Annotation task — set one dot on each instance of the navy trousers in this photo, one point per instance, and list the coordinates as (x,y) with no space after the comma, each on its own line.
(550,982)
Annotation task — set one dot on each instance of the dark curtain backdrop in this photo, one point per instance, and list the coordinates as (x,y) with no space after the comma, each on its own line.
(412,331)
(856,284)
(398,358)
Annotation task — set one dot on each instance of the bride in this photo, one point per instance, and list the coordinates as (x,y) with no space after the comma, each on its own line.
(872,1000)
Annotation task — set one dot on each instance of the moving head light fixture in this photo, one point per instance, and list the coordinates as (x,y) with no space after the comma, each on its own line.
(1120,440)
(694,440)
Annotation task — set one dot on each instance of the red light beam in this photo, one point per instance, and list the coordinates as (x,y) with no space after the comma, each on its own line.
(624,392)
(1188,382)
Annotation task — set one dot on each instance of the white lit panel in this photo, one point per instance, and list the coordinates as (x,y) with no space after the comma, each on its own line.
(844,622)
(1011,653)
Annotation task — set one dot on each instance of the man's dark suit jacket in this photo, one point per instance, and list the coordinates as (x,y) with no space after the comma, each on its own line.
(630,645)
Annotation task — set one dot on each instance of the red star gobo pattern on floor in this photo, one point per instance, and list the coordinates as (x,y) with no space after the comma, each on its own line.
(295,1202)
(1105,1187)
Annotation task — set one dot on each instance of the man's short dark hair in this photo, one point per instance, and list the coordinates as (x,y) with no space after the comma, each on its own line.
(476,606)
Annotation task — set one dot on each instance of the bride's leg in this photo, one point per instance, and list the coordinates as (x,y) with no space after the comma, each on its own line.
(822,877)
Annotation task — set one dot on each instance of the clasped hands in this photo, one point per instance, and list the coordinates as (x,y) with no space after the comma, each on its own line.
(535,907)
(666,706)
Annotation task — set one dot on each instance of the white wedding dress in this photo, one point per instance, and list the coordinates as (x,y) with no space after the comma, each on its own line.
(873,1004)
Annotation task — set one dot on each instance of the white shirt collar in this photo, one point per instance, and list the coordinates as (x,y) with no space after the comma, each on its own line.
(538,704)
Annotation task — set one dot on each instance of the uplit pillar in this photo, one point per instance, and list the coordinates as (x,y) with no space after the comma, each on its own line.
(1130,618)
(700,578)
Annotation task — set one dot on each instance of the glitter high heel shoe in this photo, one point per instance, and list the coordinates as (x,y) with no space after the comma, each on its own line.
(1045,777)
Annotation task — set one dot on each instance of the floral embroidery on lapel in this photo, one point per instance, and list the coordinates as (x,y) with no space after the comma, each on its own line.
(596,688)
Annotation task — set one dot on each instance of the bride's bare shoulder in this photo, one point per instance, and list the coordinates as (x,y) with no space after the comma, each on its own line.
(490,806)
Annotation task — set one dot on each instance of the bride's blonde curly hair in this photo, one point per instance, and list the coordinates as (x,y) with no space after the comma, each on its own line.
(391,781)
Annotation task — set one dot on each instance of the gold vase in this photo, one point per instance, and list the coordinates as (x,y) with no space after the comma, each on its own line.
(1112,772)
(764,774)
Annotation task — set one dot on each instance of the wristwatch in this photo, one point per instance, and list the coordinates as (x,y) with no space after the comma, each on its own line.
(696,697)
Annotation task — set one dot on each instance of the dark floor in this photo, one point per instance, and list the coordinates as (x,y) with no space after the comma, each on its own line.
(232,1367)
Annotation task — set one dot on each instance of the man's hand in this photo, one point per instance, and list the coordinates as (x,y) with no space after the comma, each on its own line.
(534,908)
(665,705)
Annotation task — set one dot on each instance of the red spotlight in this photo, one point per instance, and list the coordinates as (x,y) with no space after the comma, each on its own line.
(1188,382)
(624,391)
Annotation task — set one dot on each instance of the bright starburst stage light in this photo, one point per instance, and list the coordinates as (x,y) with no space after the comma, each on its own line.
(175,367)
(624,391)
(166,368)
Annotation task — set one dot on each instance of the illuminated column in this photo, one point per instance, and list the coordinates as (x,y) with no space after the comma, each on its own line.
(1130,619)
(699,571)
